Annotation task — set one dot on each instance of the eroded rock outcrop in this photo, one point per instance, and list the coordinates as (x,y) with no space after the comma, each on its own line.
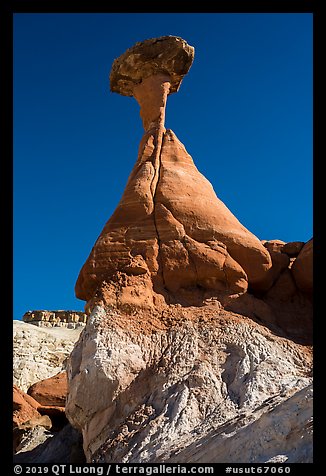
(169,217)
(144,389)
(51,391)
(25,408)
(303,269)
(40,446)
(26,416)
(42,318)
(40,352)
(41,431)
(197,346)
(280,304)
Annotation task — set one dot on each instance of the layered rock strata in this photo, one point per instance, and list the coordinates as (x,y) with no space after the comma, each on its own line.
(169,223)
(42,318)
(197,346)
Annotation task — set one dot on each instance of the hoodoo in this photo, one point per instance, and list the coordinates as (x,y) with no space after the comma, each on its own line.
(196,347)
(169,223)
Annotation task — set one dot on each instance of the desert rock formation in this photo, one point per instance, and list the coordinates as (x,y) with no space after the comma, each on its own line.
(50,391)
(42,318)
(40,352)
(303,268)
(199,385)
(158,228)
(25,408)
(170,55)
(41,431)
(197,347)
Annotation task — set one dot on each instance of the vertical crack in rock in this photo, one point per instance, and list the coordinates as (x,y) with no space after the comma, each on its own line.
(141,238)
(165,371)
(154,185)
(151,94)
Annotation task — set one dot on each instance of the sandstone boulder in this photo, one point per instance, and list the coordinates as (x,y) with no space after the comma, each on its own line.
(24,407)
(302,268)
(274,245)
(51,391)
(293,248)
(280,261)
(26,416)
(170,55)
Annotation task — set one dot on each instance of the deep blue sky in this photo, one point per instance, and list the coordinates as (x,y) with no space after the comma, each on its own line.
(244,113)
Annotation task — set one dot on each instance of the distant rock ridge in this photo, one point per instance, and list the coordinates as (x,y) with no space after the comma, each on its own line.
(60,318)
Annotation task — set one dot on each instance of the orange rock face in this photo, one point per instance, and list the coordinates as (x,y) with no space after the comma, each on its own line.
(24,407)
(51,391)
(169,224)
(151,95)
(302,268)
(293,248)
(173,225)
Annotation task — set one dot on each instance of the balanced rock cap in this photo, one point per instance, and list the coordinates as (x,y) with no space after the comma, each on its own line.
(169,55)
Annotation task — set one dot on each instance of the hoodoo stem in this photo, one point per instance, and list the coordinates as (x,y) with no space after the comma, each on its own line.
(151,94)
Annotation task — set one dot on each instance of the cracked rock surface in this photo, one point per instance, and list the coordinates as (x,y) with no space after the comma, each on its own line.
(197,386)
(179,229)
(197,345)
(169,217)
(167,54)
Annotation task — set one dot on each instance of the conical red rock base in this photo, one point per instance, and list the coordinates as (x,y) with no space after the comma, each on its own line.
(171,225)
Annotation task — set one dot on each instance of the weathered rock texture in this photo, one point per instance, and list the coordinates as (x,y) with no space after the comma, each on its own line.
(169,55)
(39,353)
(197,348)
(169,223)
(40,446)
(44,402)
(303,268)
(281,305)
(50,391)
(197,385)
(41,432)
(25,407)
(69,319)
(26,416)
(179,242)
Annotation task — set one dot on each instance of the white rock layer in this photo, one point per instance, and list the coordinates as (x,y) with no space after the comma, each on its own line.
(40,352)
(224,390)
